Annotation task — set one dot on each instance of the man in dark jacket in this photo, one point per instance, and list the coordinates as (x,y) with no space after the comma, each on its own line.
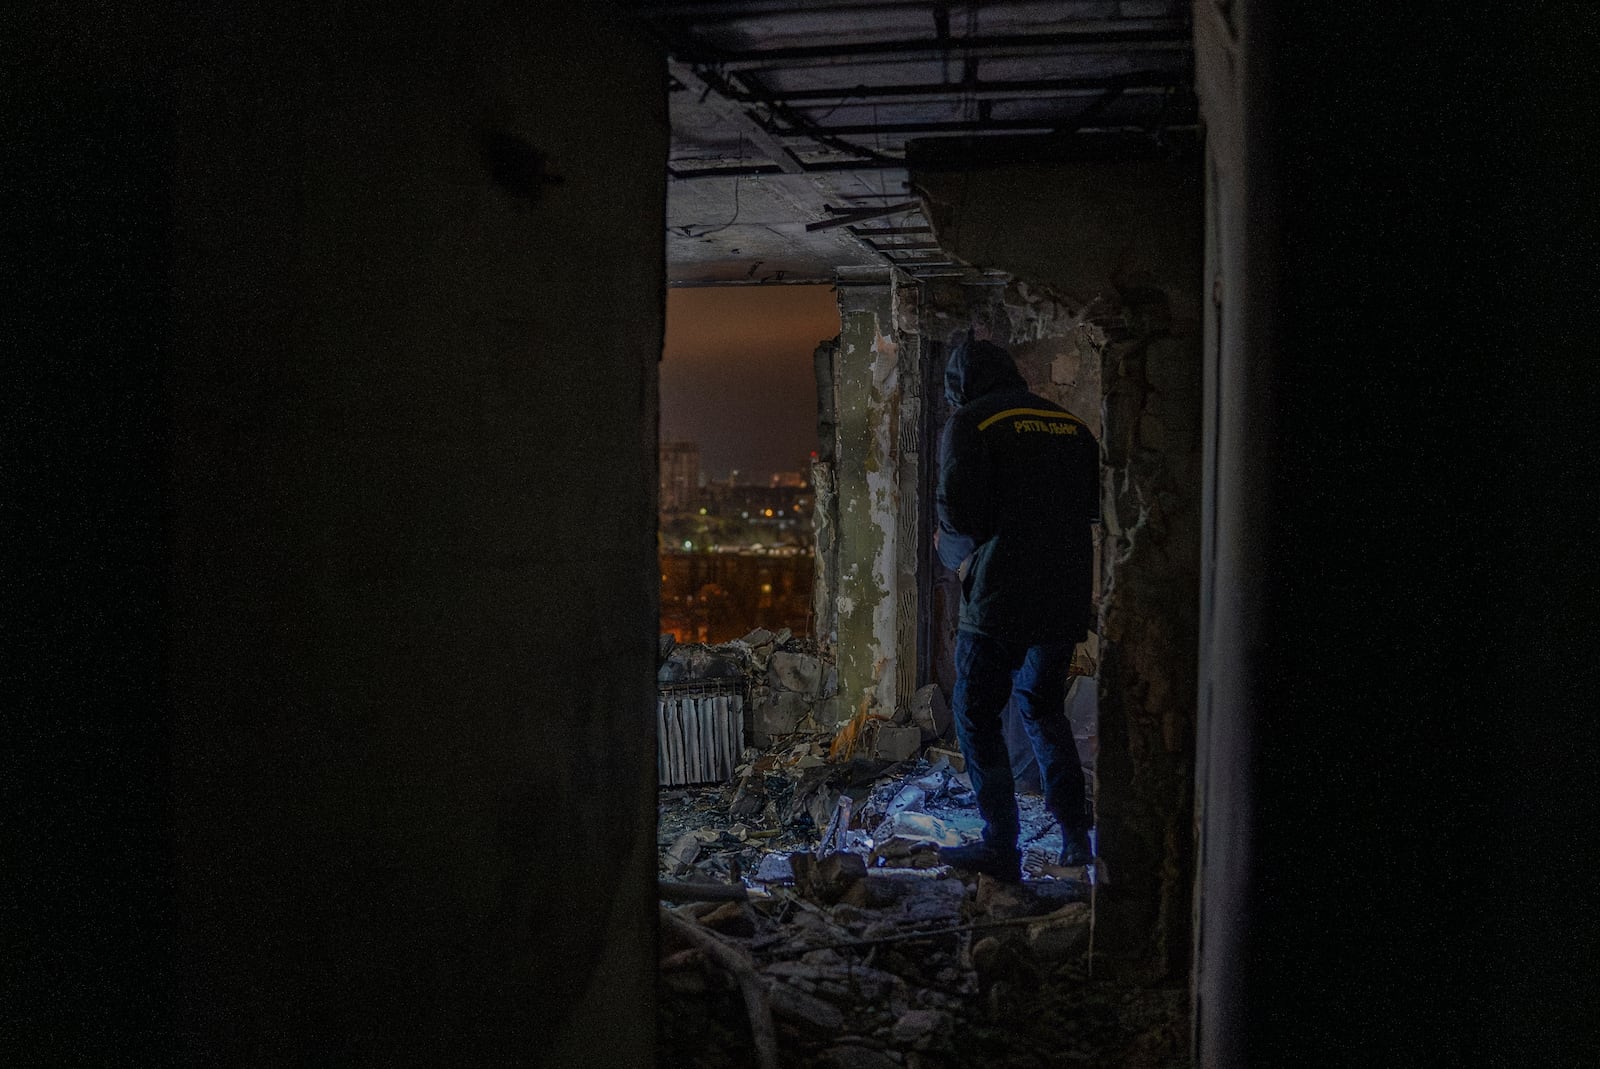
(1019,488)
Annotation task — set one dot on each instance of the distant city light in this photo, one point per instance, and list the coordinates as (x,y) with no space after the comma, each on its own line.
(687,544)
(702,512)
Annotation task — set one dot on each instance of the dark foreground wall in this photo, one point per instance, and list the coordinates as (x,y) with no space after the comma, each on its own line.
(1397,368)
(354,344)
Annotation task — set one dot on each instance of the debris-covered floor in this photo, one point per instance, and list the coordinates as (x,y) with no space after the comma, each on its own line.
(806,921)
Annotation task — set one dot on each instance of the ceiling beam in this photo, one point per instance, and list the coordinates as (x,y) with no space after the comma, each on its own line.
(859,215)
(742,121)
(679,174)
(835,96)
(735,10)
(1043,125)
(907,246)
(1152,35)
(890,231)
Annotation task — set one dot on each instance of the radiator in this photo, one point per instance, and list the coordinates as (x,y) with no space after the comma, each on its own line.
(699,735)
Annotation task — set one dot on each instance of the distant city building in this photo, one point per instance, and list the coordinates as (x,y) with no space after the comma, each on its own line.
(680,475)
(791,479)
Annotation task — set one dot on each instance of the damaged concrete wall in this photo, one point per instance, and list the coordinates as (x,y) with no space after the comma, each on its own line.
(825,498)
(379,366)
(912,539)
(1056,340)
(868,419)
(1115,251)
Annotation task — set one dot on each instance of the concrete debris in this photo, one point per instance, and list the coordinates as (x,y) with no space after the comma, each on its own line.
(759,637)
(774,868)
(737,963)
(869,951)
(897,743)
(834,875)
(796,671)
(783,712)
(788,685)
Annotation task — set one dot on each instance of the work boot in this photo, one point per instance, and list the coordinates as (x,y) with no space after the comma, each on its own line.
(1075,849)
(985,858)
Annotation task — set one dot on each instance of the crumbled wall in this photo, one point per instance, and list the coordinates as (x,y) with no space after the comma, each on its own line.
(791,684)
(1076,247)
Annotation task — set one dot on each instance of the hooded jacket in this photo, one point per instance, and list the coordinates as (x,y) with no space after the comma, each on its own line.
(1019,486)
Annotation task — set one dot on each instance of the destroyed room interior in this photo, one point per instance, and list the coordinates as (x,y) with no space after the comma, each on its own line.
(431,681)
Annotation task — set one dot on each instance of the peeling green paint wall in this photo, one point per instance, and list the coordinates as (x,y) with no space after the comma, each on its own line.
(868,419)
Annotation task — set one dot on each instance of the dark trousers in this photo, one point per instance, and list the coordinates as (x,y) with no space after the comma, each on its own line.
(988,672)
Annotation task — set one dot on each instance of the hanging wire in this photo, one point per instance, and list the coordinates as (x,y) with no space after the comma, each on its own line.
(851,95)
(735,216)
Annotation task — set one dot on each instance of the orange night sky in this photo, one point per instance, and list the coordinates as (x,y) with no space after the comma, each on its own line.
(736,374)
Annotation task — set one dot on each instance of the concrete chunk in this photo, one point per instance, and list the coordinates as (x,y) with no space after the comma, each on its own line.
(837,872)
(775,868)
(781,713)
(897,743)
(794,671)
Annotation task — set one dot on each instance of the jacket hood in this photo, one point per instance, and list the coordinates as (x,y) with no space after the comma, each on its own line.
(977,368)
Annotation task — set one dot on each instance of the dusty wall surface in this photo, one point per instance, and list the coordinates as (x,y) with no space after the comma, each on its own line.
(391,395)
(1075,227)
(1091,245)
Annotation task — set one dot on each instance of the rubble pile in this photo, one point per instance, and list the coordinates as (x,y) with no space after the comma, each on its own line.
(806,919)
(834,923)
(792,686)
